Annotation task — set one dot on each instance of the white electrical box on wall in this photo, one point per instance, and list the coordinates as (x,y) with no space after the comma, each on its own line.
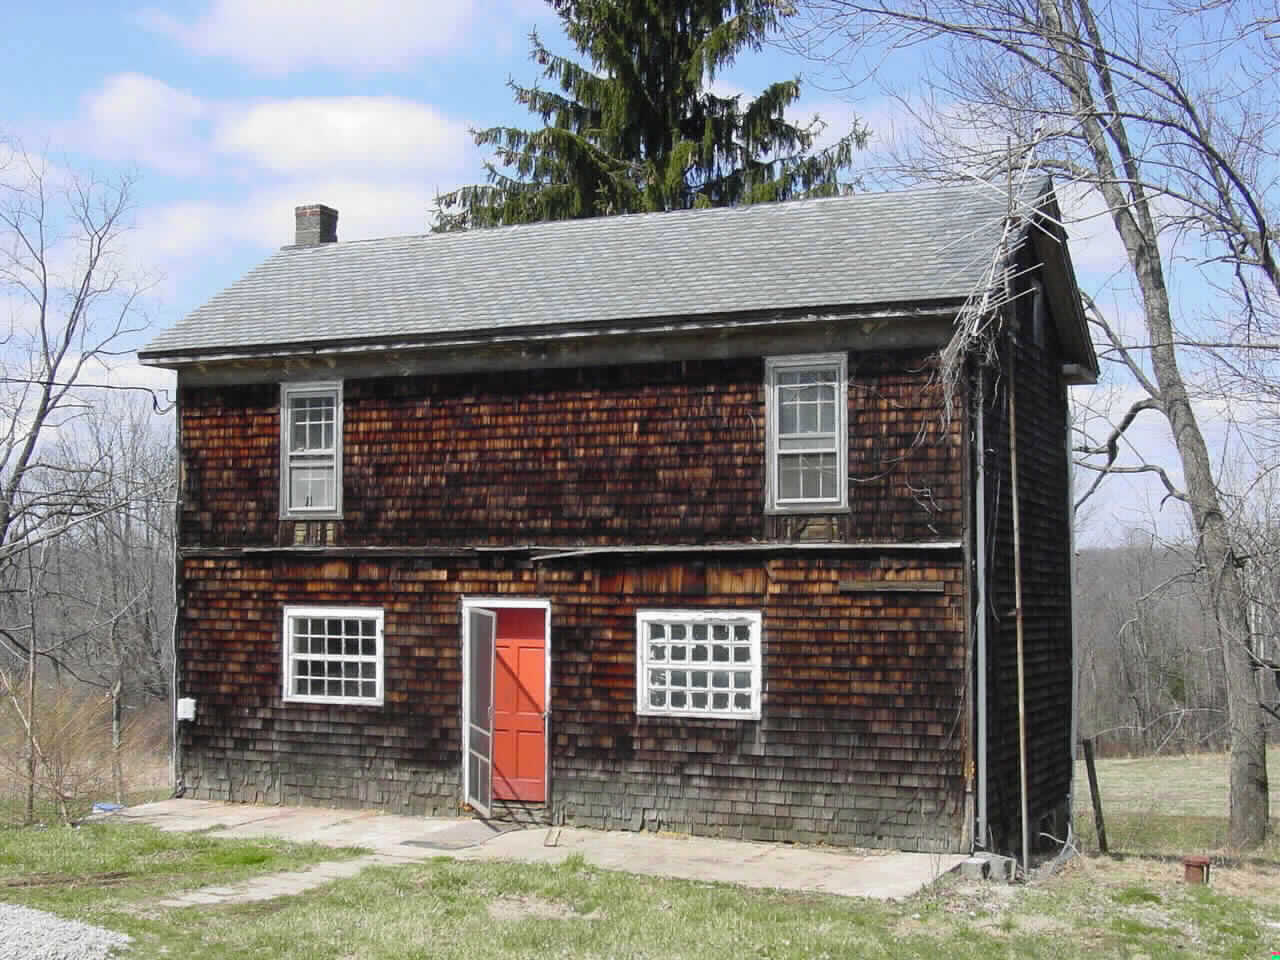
(186,708)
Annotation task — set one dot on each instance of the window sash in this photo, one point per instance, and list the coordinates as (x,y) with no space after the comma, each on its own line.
(311,444)
(808,477)
(312,418)
(807,431)
(333,655)
(312,483)
(807,406)
(698,664)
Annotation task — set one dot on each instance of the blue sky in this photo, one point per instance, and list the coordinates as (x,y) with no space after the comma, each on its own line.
(231,112)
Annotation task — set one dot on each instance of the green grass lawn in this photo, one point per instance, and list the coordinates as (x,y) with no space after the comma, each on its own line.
(446,909)
(1097,907)
(113,866)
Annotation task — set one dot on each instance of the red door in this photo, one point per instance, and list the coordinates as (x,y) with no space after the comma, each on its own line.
(519,701)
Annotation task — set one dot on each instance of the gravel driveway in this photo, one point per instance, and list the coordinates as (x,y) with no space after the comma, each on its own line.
(27,934)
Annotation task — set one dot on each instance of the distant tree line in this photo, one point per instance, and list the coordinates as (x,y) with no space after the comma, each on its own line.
(1151,671)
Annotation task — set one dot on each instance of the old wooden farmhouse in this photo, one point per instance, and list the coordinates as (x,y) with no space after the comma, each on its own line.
(657,521)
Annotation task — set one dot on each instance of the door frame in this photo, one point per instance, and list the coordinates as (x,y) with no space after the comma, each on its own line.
(466,605)
(490,620)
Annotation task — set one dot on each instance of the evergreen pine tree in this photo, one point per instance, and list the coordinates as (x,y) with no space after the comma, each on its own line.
(638,130)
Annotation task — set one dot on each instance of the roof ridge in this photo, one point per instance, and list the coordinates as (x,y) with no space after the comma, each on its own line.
(619,219)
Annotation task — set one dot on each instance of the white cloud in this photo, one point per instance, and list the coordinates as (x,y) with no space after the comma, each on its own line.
(343,134)
(283,35)
(162,128)
(180,230)
(144,120)
(380,160)
(263,218)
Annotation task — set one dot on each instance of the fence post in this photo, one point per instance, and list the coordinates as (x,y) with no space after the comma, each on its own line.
(1093,793)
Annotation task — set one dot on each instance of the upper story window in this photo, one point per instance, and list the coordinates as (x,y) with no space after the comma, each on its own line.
(311,450)
(806,402)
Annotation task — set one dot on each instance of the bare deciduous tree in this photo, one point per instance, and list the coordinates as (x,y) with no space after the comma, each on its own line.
(117,590)
(1166,116)
(69,308)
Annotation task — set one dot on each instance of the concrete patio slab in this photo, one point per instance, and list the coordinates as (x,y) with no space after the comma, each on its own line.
(879,875)
(383,833)
(399,839)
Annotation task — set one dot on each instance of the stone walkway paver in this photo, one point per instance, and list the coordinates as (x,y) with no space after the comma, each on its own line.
(272,885)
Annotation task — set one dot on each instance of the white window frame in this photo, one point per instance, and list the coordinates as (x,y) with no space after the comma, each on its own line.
(340,613)
(837,445)
(288,393)
(752,618)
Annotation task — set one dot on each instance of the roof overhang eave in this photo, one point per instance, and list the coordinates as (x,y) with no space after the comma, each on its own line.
(514,336)
(1049,237)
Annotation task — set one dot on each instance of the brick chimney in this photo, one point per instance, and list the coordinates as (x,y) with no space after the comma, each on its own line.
(315,224)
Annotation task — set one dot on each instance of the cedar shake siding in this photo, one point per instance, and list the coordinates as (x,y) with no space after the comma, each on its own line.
(652,453)
(863,727)
(860,739)
(573,475)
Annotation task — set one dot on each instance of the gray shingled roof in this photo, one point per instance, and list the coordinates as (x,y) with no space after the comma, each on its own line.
(904,247)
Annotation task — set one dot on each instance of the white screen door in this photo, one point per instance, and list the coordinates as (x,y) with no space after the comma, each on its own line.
(481,630)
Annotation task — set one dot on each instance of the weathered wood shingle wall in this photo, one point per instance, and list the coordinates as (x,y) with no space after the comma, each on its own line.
(863,734)
(652,453)
(863,717)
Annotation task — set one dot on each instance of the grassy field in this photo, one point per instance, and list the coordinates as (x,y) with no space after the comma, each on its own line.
(1168,806)
(78,742)
(1126,907)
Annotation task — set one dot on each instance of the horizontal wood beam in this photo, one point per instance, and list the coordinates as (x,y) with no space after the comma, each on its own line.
(542,552)
(892,586)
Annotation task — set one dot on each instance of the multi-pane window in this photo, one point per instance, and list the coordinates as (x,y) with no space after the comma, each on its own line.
(333,654)
(698,663)
(808,436)
(311,449)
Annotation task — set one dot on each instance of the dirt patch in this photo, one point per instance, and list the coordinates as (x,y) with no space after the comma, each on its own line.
(1143,893)
(1260,882)
(520,908)
(979,903)
(1041,923)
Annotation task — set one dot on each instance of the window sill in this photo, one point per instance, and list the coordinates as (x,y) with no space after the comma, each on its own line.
(831,509)
(335,701)
(697,715)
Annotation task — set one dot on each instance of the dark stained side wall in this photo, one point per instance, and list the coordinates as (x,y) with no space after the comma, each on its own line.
(1046,584)
(860,741)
